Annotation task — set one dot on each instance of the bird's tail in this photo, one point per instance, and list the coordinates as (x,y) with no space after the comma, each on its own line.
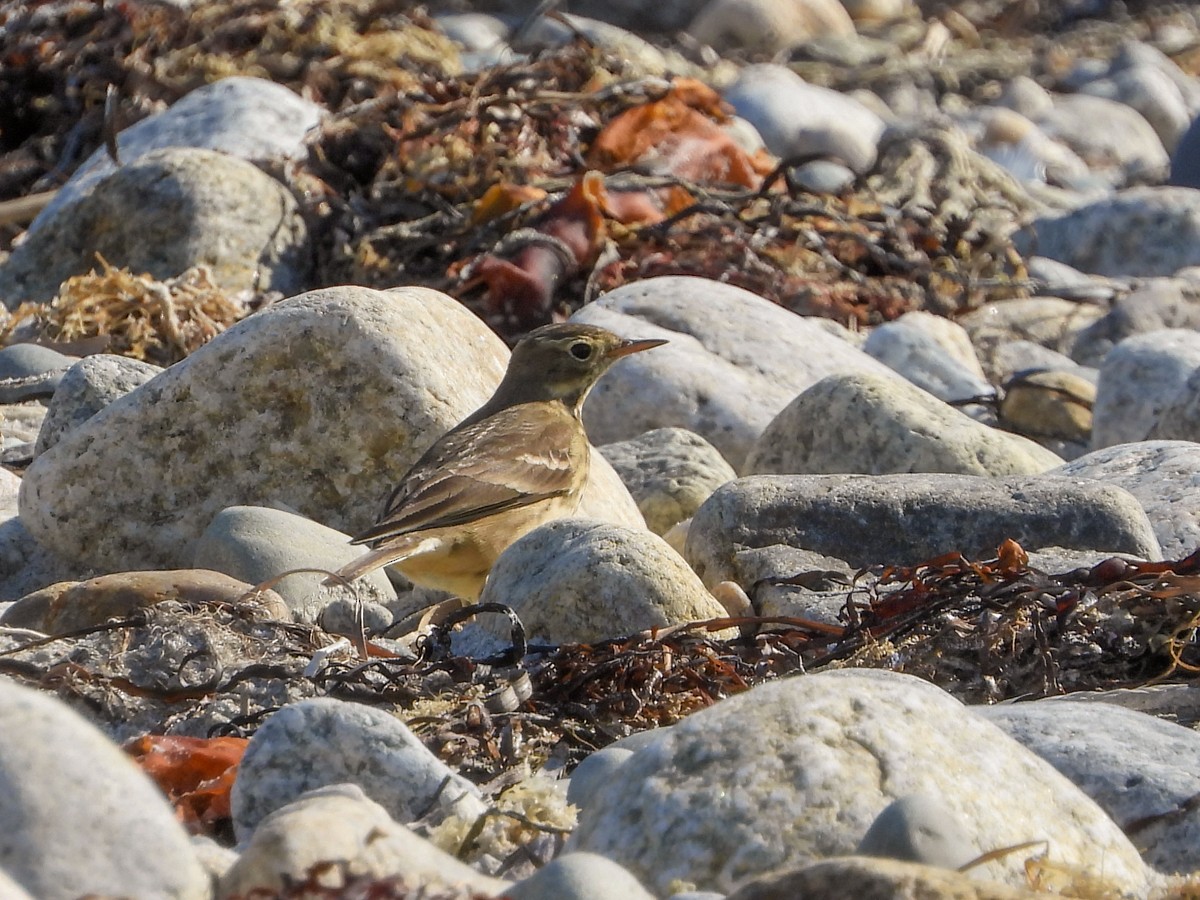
(369,561)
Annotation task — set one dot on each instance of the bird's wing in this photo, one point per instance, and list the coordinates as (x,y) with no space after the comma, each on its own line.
(507,460)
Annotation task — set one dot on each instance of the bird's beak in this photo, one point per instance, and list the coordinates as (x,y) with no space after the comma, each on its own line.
(625,348)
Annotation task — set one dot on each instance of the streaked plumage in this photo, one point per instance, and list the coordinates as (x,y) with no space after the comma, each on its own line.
(519,461)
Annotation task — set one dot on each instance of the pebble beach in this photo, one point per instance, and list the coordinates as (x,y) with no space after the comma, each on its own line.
(885,581)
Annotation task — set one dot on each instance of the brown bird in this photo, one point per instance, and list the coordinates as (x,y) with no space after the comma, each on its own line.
(517,462)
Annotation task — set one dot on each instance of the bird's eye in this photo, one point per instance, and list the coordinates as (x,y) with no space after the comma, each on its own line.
(581,350)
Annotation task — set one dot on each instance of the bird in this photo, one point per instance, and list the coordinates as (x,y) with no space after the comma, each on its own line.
(517,462)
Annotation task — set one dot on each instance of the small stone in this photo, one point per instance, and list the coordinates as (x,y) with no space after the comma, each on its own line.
(595,773)
(797,119)
(578,580)
(669,472)
(767,26)
(257,545)
(907,519)
(579,876)
(920,829)
(1138,379)
(202,207)
(864,423)
(321,742)
(933,353)
(86,388)
(1052,404)
(71,606)
(78,817)
(340,823)
(19,361)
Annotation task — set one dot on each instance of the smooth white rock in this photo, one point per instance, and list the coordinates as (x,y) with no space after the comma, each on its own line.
(86,388)
(767,26)
(323,741)
(872,425)
(734,360)
(339,823)
(1135,766)
(1138,378)
(579,876)
(825,754)
(799,119)
(78,816)
(933,353)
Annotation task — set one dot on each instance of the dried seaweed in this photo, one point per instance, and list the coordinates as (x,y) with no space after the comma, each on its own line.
(156,321)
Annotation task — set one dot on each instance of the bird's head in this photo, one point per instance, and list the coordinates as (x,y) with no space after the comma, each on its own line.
(562,362)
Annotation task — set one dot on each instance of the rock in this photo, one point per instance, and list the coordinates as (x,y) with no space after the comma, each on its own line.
(578,580)
(879,10)
(826,753)
(1164,476)
(1056,279)
(10,890)
(257,544)
(162,214)
(933,353)
(822,176)
(920,829)
(78,816)
(1156,304)
(1106,134)
(340,824)
(669,472)
(25,565)
(907,519)
(1049,404)
(29,371)
(872,425)
(579,876)
(638,53)
(70,606)
(605,496)
(87,387)
(10,485)
(1150,92)
(1185,161)
(1179,418)
(321,742)
(1142,771)
(1047,321)
(323,402)
(1019,355)
(734,360)
(19,426)
(797,119)
(1138,379)
(1025,96)
(1143,231)
(1028,153)
(765,26)
(249,118)
(874,879)
(592,776)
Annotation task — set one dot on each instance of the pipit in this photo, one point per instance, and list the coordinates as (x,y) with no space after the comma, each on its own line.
(517,462)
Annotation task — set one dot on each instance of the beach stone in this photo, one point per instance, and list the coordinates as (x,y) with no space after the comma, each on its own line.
(872,425)
(1138,379)
(1049,405)
(87,387)
(767,26)
(1141,231)
(1185,161)
(1056,279)
(25,565)
(734,360)
(669,472)
(72,606)
(578,580)
(1179,418)
(879,10)
(1106,134)
(922,829)
(640,53)
(829,751)
(1142,771)
(1151,92)
(1050,322)
(579,876)
(19,362)
(866,878)
(1024,95)
(1164,476)
(1027,152)
(136,485)
(256,544)
(798,119)
(10,485)
(907,519)
(120,837)
(249,118)
(341,823)
(1155,304)
(162,214)
(1132,54)
(933,353)
(594,773)
(322,741)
